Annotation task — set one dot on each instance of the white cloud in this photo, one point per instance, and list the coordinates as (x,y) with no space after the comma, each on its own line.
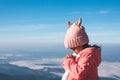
(90,12)
(104,11)
(5,56)
(32,27)
(9,55)
(106,69)
(46,33)
(57,73)
(101,33)
(104,36)
(109,69)
(80,12)
(39,64)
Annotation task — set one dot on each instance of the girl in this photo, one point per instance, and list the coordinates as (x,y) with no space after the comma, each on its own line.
(83,64)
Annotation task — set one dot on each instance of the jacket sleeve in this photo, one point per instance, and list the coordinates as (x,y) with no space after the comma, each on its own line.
(80,67)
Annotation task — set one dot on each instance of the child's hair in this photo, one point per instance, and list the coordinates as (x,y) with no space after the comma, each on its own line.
(87,45)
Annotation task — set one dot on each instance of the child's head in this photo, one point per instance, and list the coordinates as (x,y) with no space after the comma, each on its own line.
(76,35)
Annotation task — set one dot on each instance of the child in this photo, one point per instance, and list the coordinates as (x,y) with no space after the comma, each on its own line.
(83,64)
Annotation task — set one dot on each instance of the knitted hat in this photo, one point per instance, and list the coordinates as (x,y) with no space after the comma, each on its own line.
(75,35)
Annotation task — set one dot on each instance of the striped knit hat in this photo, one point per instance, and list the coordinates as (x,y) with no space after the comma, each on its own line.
(75,35)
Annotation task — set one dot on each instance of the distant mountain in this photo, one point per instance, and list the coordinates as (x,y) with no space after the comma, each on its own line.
(12,72)
(5,77)
(26,77)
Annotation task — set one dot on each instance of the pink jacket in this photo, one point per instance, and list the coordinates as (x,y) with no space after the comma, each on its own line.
(84,67)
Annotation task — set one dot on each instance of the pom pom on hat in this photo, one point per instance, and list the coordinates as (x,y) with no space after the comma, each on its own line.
(75,35)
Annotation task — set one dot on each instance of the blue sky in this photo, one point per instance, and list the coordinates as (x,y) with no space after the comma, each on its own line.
(44,22)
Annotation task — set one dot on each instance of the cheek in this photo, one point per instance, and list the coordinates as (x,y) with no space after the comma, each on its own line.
(76,51)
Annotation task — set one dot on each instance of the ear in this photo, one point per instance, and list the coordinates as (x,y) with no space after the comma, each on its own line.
(79,22)
(69,24)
